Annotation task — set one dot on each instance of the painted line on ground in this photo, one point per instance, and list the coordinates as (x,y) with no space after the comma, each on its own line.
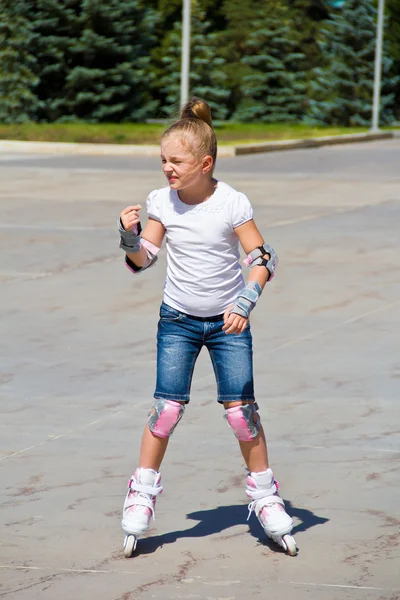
(53,438)
(50,228)
(320,332)
(341,586)
(63,570)
(113,572)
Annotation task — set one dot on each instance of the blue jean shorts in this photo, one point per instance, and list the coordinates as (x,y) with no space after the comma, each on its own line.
(180,338)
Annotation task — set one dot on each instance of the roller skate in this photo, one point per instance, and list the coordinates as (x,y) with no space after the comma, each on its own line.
(139,506)
(269,507)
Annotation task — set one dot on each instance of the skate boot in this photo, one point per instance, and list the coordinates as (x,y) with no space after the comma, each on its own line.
(139,506)
(270,509)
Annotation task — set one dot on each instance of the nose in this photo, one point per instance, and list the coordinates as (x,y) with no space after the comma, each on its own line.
(167,168)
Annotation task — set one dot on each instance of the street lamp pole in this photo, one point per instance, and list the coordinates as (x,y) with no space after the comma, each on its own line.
(185,64)
(378,66)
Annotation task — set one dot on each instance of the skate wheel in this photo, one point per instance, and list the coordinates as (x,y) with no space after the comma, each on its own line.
(129,545)
(290,544)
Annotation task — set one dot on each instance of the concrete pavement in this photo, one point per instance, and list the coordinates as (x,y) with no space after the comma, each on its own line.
(77,342)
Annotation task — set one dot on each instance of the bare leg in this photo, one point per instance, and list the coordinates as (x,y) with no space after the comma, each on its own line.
(255,453)
(152,450)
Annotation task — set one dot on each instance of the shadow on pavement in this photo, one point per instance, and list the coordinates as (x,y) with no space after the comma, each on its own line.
(216,520)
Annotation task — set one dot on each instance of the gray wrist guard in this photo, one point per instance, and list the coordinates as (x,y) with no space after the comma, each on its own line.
(130,240)
(246,300)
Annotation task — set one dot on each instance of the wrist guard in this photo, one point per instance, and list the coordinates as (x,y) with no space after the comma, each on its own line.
(246,300)
(130,240)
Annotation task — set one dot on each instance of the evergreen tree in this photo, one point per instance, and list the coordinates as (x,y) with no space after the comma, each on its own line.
(206,78)
(306,17)
(112,75)
(55,24)
(18,101)
(343,86)
(238,17)
(274,89)
(392,35)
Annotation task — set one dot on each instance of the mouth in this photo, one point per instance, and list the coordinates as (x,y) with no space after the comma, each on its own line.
(172,179)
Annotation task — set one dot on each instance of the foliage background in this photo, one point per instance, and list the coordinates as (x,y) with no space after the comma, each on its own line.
(271,61)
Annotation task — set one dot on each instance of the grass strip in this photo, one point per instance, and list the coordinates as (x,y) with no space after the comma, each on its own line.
(133,133)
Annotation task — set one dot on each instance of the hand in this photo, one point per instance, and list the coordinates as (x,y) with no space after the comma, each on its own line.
(234,323)
(130,217)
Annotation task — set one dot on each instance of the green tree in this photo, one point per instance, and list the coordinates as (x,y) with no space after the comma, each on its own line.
(18,101)
(306,18)
(238,16)
(274,89)
(207,78)
(392,34)
(112,77)
(55,24)
(343,86)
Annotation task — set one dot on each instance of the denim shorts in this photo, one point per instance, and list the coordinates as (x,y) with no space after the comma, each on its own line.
(180,338)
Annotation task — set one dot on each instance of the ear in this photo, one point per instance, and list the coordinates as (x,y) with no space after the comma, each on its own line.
(207,164)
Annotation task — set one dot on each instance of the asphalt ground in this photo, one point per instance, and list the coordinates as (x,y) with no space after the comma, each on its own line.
(77,343)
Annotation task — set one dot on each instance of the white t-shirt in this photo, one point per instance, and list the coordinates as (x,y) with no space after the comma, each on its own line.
(204,275)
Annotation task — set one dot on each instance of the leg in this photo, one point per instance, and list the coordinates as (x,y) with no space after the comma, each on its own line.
(152,450)
(261,485)
(254,452)
(177,350)
(233,366)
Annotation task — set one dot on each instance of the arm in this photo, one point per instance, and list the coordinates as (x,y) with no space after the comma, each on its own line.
(249,238)
(154,233)
(140,241)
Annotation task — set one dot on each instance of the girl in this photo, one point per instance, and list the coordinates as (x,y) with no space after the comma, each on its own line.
(206,303)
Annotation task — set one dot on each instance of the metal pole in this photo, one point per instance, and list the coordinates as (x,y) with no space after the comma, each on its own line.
(378,67)
(185,65)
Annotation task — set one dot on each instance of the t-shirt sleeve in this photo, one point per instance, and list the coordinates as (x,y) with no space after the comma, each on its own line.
(153,206)
(241,210)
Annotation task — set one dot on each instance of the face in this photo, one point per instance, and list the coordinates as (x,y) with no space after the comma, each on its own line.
(180,166)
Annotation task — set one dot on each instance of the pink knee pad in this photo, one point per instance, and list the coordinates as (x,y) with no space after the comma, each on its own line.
(165,416)
(241,420)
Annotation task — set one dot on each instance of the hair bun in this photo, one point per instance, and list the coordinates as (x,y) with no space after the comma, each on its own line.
(196,108)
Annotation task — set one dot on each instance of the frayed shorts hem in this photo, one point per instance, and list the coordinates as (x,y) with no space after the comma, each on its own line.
(186,398)
(222,399)
(177,397)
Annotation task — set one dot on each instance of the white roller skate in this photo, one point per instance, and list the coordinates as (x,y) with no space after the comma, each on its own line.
(139,506)
(270,509)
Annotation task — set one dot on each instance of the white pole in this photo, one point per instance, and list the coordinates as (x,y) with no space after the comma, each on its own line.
(185,65)
(378,67)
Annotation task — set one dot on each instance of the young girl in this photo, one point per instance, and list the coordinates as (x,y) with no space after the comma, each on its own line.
(206,303)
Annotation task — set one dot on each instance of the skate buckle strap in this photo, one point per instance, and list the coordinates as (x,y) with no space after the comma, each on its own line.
(144,489)
(265,501)
(143,501)
(263,493)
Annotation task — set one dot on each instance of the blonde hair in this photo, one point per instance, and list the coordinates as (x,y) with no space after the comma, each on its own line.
(195,122)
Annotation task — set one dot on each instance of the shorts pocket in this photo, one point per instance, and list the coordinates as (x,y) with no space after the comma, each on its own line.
(167,313)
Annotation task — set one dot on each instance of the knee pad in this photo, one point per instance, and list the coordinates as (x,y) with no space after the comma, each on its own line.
(244,421)
(165,416)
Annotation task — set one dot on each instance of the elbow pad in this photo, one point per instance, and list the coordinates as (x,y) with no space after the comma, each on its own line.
(255,258)
(151,258)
